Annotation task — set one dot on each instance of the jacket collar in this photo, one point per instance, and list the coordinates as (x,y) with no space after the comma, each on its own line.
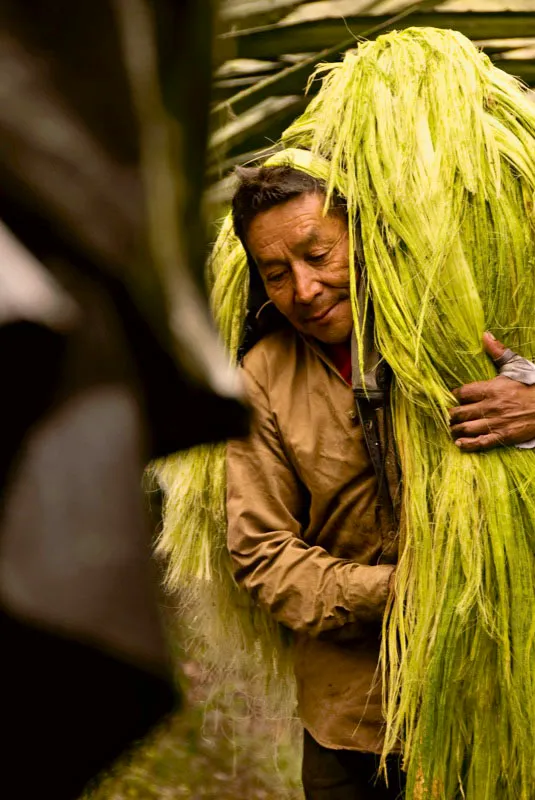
(368,382)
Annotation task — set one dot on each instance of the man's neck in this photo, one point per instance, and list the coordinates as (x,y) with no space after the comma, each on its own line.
(340,355)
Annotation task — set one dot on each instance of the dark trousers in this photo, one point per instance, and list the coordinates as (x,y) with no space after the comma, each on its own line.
(347,774)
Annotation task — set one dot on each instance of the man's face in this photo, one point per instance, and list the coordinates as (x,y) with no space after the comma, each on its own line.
(303,258)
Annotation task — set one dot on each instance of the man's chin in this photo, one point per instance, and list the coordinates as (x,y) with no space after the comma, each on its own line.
(337,332)
(333,337)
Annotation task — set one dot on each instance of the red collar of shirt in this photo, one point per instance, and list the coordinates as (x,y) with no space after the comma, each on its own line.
(340,355)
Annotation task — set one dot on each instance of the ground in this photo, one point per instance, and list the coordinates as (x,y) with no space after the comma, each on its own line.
(219,746)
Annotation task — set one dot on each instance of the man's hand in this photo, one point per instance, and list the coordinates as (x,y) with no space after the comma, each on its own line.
(500,411)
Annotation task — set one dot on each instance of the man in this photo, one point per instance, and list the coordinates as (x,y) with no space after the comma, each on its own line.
(311,496)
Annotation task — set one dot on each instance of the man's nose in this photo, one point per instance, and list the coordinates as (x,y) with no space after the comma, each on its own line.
(306,284)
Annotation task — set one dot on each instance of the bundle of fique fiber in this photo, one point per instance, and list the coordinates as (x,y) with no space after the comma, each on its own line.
(437,148)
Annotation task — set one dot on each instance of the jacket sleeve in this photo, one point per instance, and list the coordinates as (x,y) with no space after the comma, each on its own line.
(303,586)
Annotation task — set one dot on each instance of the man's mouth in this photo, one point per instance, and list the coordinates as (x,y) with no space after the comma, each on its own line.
(320,314)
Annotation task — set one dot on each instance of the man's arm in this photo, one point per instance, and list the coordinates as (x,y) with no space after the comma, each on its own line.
(304,587)
(497,412)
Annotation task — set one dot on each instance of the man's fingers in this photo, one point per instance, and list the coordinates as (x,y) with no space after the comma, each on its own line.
(492,346)
(496,412)
(467,412)
(472,392)
(476,427)
(481,390)
(485,442)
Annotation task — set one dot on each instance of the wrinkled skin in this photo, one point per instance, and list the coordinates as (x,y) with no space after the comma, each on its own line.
(497,412)
(302,257)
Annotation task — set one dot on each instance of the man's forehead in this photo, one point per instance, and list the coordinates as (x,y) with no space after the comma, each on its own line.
(293,224)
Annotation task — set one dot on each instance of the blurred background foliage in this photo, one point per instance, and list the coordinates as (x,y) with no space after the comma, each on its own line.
(267,50)
(223,744)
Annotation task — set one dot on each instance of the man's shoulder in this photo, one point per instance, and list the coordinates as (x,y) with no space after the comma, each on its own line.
(275,353)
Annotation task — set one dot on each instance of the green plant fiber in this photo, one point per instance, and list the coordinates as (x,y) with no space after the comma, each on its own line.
(434,150)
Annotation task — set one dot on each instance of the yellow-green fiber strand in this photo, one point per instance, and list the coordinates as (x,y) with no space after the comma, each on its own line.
(437,150)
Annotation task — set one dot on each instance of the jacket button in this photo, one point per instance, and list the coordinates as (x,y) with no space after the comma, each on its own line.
(352,414)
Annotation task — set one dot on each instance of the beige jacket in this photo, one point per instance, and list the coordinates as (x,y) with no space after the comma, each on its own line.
(307,535)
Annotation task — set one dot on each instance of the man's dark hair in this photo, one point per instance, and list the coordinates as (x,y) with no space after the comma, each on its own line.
(262,188)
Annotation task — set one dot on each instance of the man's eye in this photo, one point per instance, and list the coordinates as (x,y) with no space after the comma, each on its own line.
(275,277)
(316,258)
